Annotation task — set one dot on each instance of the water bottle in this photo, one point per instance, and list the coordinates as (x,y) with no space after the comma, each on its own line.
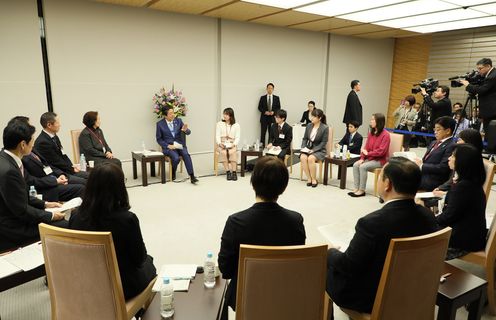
(82,162)
(167,299)
(209,271)
(345,151)
(32,192)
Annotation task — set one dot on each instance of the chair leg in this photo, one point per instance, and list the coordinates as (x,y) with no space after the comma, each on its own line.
(170,170)
(301,172)
(490,289)
(376,178)
(321,171)
(181,164)
(216,167)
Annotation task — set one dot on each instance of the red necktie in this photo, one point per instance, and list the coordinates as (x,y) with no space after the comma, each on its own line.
(22,170)
(436,145)
(36,156)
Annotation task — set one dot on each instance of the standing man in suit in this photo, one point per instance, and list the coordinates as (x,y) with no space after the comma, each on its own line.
(434,164)
(486,92)
(352,139)
(20,214)
(440,108)
(353,276)
(49,146)
(353,109)
(281,134)
(169,137)
(267,106)
(265,223)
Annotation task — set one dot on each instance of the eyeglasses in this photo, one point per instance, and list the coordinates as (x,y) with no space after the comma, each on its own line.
(480,68)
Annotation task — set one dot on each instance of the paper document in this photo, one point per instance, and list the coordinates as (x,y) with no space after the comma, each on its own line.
(406,154)
(177,145)
(26,258)
(423,195)
(180,273)
(273,151)
(338,234)
(305,150)
(150,153)
(7,268)
(71,204)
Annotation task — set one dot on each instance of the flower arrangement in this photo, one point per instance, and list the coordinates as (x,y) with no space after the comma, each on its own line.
(170,98)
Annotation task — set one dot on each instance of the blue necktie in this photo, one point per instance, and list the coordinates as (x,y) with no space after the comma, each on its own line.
(171,127)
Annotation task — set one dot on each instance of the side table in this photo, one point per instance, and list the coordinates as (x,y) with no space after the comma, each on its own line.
(343,165)
(144,159)
(248,153)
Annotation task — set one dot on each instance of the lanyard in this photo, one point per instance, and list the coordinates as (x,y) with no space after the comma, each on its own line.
(100,140)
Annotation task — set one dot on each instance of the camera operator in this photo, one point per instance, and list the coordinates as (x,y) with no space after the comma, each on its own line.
(486,91)
(440,108)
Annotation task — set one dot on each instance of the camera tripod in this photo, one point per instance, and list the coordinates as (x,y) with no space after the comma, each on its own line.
(471,101)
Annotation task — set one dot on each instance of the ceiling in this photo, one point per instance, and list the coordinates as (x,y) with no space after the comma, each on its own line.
(257,13)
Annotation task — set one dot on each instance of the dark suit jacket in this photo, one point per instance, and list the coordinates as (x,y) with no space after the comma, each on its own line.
(19,213)
(486,92)
(287,131)
(135,266)
(353,276)
(465,213)
(36,175)
(438,109)
(164,135)
(265,223)
(53,153)
(319,143)
(262,107)
(356,143)
(435,169)
(90,146)
(304,118)
(353,109)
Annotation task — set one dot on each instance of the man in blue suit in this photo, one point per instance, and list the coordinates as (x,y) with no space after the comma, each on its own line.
(170,139)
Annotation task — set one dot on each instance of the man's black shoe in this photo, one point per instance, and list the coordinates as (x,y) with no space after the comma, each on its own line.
(193,179)
(234,176)
(173,175)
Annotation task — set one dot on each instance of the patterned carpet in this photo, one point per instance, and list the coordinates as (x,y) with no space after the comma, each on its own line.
(28,301)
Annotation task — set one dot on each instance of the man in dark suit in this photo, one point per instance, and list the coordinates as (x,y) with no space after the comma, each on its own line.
(353,109)
(19,213)
(49,146)
(486,92)
(353,276)
(352,139)
(169,137)
(440,108)
(434,164)
(267,106)
(281,134)
(265,223)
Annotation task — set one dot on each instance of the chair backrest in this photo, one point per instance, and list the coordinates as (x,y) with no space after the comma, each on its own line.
(490,249)
(489,166)
(330,141)
(279,283)
(395,143)
(75,145)
(410,277)
(83,275)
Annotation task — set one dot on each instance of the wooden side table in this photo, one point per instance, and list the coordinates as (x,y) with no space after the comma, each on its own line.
(248,153)
(461,288)
(144,159)
(343,165)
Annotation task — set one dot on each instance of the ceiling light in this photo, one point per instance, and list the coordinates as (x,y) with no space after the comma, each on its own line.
(285,4)
(437,17)
(338,7)
(401,10)
(454,25)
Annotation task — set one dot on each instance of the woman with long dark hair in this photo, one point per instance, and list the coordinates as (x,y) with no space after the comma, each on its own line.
(373,155)
(227,134)
(92,142)
(465,204)
(314,146)
(106,207)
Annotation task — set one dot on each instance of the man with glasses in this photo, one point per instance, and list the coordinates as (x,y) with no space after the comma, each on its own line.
(434,164)
(486,91)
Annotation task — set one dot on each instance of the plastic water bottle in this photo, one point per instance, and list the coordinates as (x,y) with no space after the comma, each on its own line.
(209,271)
(167,299)
(32,192)
(82,162)
(345,151)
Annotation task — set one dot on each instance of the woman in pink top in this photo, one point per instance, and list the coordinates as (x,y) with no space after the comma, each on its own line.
(373,155)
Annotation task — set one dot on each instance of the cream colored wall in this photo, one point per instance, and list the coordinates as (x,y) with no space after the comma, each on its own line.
(113,58)
(22,87)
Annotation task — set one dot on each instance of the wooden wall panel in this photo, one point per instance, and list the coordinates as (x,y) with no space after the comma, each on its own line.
(410,61)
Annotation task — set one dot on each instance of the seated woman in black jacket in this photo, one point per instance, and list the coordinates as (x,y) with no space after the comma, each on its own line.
(305,117)
(465,204)
(106,207)
(92,142)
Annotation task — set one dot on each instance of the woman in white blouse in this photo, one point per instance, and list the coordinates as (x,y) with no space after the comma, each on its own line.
(227,136)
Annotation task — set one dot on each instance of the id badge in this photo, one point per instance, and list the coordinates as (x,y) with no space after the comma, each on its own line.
(47,170)
(104,150)
(281,136)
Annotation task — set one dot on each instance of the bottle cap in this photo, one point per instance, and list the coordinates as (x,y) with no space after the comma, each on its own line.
(166,280)
(209,255)
(31,187)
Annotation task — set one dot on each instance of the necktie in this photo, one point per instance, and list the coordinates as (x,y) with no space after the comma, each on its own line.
(349,141)
(35,156)
(22,169)
(269,104)
(171,127)
(436,145)
(57,142)
(280,129)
